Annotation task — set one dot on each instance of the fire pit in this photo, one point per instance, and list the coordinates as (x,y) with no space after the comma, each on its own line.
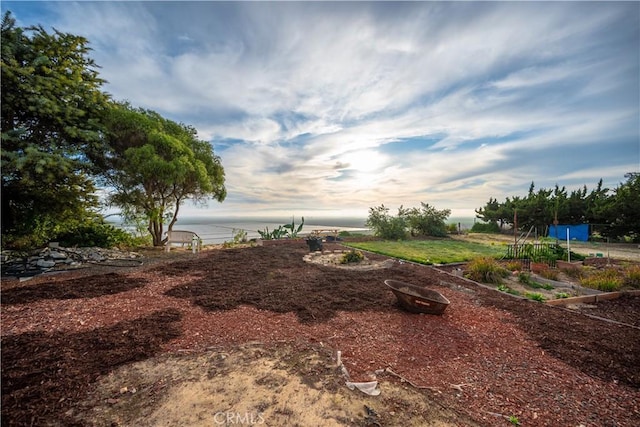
(417,299)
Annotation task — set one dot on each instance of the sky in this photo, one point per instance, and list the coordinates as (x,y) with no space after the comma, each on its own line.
(331,108)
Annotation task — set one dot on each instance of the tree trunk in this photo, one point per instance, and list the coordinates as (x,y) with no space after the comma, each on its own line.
(155,228)
(175,215)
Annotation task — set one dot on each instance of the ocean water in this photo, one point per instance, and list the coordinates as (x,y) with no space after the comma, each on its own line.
(214,230)
(220,230)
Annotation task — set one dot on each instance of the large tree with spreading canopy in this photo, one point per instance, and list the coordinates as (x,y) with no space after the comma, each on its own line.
(153,165)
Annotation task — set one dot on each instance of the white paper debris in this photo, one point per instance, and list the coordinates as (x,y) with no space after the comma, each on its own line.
(367,388)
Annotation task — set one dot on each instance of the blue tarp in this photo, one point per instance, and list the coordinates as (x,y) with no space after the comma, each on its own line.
(576,232)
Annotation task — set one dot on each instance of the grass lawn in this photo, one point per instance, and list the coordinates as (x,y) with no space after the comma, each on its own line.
(439,251)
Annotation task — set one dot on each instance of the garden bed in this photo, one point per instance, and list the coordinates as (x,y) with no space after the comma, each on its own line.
(74,348)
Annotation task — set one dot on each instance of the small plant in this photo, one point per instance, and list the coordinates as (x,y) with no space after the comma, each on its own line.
(514,420)
(486,270)
(607,280)
(561,295)
(352,256)
(574,273)
(632,276)
(524,278)
(239,236)
(550,274)
(291,229)
(287,230)
(534,296)
(278,233)
(508,290)
(514,266)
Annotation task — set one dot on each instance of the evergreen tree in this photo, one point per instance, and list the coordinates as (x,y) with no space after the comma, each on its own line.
(51,106)
(623,210)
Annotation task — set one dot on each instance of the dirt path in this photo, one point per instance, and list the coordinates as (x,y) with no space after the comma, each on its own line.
(252,385)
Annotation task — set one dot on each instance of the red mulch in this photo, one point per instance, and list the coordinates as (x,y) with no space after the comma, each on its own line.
(489,353)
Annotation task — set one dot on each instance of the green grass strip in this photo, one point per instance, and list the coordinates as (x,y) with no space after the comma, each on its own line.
(440,251)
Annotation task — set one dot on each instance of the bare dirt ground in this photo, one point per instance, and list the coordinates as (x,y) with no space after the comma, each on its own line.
(618,251)
(249,337)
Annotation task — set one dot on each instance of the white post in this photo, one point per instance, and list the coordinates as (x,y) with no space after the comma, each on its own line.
(194,242)
(568,247)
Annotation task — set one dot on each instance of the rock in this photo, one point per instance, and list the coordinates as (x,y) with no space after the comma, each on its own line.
(57,255)
(19,263)
(96,256)
(43,263)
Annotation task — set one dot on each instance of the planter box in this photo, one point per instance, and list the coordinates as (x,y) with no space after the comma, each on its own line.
(537,267)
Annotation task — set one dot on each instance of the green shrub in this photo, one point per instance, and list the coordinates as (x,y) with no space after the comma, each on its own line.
(607,280)
(561,295)
(561,253)
(387,226)
(351,257)
(485,227)
(486,270)
(96,234)
(426,220)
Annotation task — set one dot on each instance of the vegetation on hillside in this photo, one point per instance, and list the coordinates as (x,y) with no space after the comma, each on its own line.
(612,214)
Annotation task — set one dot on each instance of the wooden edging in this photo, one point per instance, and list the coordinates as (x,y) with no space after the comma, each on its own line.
(592,298)
(554,302)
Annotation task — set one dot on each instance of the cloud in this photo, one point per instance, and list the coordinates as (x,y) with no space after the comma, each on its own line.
(355,104)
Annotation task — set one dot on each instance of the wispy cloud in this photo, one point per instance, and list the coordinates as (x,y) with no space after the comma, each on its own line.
(350,105)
